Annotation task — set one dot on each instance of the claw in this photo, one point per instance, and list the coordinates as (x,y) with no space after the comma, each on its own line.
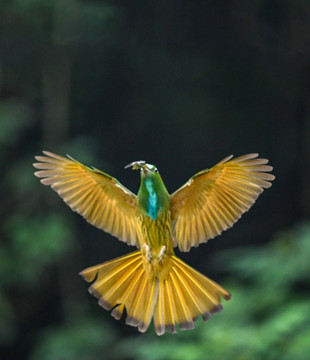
(147,251)
(162,253)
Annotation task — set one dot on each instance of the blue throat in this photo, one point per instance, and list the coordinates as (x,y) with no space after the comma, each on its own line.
(152,209)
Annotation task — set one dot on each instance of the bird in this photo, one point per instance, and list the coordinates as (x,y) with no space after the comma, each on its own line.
(152,282)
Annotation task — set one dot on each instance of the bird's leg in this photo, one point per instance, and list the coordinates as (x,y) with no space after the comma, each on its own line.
(146,250)
(162,252)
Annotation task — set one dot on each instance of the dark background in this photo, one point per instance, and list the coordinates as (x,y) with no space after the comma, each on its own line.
(180,84)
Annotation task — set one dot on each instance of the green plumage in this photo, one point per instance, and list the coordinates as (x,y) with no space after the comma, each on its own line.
(153,196)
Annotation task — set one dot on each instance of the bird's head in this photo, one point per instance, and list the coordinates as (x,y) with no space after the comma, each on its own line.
(146,170)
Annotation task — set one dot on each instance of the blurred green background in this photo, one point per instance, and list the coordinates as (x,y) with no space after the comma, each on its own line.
(180,84)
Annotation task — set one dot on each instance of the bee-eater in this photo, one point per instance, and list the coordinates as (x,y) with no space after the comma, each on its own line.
(152,282)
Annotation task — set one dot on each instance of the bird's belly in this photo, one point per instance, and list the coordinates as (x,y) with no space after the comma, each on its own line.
(157,246)
(157,233)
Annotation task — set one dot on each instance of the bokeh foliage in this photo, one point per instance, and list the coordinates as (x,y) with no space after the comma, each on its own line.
(180,84)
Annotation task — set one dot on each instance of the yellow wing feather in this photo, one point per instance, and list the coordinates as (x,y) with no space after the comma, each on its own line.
(98,197)
(214,199)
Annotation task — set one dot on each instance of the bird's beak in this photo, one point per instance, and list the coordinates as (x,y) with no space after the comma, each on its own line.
(145,169)
(136,165)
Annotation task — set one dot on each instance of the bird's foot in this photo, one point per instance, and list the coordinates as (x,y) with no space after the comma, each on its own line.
(162,252)
(147,252)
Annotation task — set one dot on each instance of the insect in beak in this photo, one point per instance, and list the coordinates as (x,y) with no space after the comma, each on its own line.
(136,165)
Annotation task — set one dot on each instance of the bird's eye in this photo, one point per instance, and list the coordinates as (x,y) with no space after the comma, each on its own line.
(156,170)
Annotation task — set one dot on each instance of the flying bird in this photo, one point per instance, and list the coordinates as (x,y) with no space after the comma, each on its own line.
(152,282)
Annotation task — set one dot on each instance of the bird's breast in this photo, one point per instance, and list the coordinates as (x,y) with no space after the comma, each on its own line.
(153,206)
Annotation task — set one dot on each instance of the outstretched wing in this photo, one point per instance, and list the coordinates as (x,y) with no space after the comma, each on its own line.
(214,199)
(98,197)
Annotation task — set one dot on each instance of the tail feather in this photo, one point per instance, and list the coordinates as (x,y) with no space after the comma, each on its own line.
(115,284)
(183,296)
(140,305)
(107,268)
(179,299)
(122,283)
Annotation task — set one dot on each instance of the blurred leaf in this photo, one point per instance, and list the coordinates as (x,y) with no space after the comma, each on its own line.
(14,118)
(86,340)
(22,183)
(278,258)
(5,264)
(36,243)
(21,5)
(82,148)
(299,347)
(8,321)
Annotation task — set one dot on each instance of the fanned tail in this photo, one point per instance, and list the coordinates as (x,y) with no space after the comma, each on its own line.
(122,283)
(178,299)
(183,296)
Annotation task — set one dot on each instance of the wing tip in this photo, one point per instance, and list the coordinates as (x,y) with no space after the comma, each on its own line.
(37,174)
(227,158)
(72,159)
(49,153)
